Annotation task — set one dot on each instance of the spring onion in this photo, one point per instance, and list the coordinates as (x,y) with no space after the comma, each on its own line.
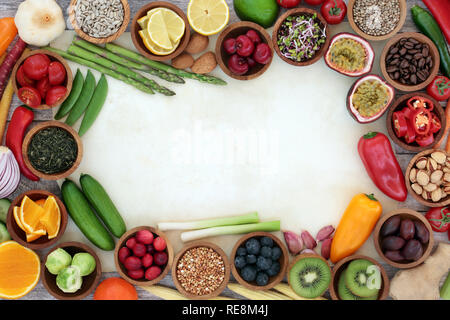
(267,226)
(208,223)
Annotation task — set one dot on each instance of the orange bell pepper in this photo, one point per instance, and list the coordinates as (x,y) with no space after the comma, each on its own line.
(355,226)
(8,32)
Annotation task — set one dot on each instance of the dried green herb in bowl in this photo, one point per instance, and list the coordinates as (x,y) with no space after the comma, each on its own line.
(52,150)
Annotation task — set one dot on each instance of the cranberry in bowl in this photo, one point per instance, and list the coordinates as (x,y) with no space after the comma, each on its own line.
(143,256)
(244,50)
(43,79)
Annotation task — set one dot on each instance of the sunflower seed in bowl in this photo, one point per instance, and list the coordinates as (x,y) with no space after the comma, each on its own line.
(99,18)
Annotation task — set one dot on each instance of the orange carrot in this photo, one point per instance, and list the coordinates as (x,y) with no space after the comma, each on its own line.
(446,129)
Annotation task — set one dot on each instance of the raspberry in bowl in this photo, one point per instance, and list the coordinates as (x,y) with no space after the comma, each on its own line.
(143,256)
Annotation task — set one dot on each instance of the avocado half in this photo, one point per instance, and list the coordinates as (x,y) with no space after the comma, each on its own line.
(262,12)
(351,109)
(370,55)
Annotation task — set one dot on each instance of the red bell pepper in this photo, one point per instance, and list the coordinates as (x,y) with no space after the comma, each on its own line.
(439,218)
(20,120)
(439,88)
(382,166)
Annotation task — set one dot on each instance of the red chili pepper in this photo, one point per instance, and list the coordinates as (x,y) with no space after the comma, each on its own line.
(381,165)
(400,124)
(439,88)
(410,136)
(439,218)
(425,140)
(20,120)
(440,10)
(421,121)
(420,102)
(435,123)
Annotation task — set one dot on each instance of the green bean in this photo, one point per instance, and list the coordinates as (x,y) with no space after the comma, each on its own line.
(67,105)
(83,100)
(95,105)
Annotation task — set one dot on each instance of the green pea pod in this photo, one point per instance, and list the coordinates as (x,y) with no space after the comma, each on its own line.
(426,23)
(95,105)
(67,105)
(83,100)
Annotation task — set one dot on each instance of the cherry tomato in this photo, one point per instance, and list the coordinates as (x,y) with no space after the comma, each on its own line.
(55,95)
(22,79)
(400,124)
(334,11)
(425,140)
(439,218)
(43,85)
(56,73)
(439,88)
(30,96)
(36,66)
(314,2)
(435,123)
(288,3)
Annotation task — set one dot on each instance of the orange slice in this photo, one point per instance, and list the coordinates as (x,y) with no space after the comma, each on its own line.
(19,270)
(30,215)
(16,214)
(51,219)
(41,202)
(33,236)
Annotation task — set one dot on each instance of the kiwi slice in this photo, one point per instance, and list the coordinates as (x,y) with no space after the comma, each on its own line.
(310,277)
(345,293)
(358,276)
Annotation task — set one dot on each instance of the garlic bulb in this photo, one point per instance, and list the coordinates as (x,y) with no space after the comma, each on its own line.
(39,21)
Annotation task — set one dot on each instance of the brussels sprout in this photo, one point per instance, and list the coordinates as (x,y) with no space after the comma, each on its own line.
(58,260)
(85,262)
(4,234)
(69,279)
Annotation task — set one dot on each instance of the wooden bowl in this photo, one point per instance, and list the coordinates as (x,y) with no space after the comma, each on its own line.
(47,124)
(196,244)
(137,40)
(342,264)
(399,104)
(295,12)
(53,57)
(434,53)
(89,282)
(120,267)
(18,235)
(401,22)
(404,214)
(443,202)
(233,31)
(303,256)
(283,260)
(85,36)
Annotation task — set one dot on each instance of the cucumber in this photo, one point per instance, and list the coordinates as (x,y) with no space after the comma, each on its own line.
(81,213)
(445,290)
(4,234)
(4,206)
(103,205)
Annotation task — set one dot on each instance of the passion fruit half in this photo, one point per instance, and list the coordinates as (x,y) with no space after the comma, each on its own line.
(369,98)
(350,55)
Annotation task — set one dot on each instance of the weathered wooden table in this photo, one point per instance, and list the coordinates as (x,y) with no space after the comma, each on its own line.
(8,9)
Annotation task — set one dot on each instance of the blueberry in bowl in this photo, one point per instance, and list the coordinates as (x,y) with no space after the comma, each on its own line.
(259,260)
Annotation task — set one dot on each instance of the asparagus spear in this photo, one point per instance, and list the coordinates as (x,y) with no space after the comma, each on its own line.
(116,67)
(162,66)
(125,62)
(110,72)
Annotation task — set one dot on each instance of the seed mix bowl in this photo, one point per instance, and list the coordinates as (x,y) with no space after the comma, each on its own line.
(99,21)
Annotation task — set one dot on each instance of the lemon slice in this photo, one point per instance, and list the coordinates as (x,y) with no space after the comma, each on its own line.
(157,31)
(208,17)
(174,24)
(153,48)
(142,22)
